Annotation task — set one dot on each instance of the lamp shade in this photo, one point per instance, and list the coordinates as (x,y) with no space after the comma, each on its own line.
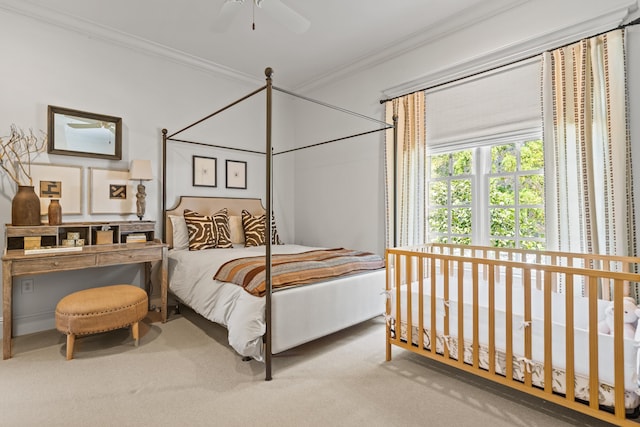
(140,170)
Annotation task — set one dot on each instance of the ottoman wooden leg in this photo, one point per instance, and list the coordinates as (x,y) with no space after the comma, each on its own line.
(134,332)
(71,339)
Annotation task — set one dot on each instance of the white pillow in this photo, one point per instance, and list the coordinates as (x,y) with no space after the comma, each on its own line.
(236,228)
(180,232)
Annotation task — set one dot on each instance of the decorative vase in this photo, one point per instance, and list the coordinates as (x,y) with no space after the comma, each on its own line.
(55,212)
(25,207)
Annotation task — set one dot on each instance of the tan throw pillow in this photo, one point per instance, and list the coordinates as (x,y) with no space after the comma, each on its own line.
(237,232)
(200,227)
(222,234)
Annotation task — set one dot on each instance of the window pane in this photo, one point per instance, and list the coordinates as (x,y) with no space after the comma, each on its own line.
(438,194)
(531,190)
(439,220)
(440,166)
(461,163)
(502,243)
(503,222)
(532,222)
(461,221)
(532,245)
(501,191)
(503,158)
(461,192)
(531,155)
(461,240)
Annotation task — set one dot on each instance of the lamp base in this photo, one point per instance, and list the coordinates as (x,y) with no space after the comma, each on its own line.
(140,201)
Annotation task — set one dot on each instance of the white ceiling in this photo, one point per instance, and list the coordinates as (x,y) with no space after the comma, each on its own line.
(344,35)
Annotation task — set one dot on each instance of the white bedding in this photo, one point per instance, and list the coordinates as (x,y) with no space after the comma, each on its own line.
(191,280)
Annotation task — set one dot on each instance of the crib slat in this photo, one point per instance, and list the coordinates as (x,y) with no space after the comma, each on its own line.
(461,312)
(398,283)
(618,345)
(548,358)
(528,335)
(432,328)
(409,297)
(509,322)
(421,262)
(570,391)
(492,319)
(475,346)
(448,272)
(593,343)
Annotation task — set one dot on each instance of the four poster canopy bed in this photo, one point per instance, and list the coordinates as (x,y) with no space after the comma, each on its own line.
(227,263)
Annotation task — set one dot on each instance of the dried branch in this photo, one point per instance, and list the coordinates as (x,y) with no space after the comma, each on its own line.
(16,153)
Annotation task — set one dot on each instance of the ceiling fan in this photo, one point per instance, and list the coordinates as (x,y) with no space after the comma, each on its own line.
(277,10)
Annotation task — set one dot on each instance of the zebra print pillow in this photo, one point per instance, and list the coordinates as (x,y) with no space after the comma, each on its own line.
(208,232)
(254,229)
(200,228)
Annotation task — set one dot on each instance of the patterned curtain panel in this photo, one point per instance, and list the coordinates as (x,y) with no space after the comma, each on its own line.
(405,172)
(588,174)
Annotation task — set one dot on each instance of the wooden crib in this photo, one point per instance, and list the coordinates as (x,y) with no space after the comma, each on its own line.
(534,314)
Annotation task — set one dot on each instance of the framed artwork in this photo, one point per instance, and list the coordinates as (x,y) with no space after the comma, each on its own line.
(204,171)
(236,174)
(79,133)
(58,182)
(111,192)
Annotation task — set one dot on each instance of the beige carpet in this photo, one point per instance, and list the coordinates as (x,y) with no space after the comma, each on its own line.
(183,373)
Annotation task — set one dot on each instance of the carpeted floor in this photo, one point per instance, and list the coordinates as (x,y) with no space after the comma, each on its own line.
(184,373)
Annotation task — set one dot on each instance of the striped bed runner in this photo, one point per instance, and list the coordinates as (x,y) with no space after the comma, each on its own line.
(297,269)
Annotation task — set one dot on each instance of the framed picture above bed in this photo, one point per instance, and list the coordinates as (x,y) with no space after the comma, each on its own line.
(237,174)
(205,171)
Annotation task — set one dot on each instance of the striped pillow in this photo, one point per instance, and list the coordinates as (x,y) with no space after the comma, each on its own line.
(200,229)
(208,232)
(222,233)
(254,228)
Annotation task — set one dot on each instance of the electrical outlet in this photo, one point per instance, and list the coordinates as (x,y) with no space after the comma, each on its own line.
(26,286)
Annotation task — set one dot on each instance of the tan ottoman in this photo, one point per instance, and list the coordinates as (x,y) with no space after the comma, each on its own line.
(100,309)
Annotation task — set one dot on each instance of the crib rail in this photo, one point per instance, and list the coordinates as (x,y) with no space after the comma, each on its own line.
(435,272)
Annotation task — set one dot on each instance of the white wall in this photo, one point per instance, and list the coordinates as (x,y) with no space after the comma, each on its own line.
(339,198)
(46,65)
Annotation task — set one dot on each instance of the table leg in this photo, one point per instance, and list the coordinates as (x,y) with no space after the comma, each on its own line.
(7,314)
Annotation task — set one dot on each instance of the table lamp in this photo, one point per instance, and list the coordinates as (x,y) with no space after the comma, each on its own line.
(140,171)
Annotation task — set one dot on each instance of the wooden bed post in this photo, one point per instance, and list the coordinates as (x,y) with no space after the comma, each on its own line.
(267,231)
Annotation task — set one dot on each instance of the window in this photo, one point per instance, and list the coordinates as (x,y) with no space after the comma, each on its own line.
(488,195)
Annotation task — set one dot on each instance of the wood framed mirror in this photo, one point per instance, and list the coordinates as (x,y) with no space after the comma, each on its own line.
(79,133)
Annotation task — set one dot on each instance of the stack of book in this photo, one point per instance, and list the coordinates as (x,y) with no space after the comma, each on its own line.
(136,238)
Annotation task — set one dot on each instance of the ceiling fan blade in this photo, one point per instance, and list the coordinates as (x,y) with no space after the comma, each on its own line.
(227,13)
(286,16)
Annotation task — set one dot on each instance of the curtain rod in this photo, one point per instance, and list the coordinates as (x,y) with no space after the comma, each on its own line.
(497,67)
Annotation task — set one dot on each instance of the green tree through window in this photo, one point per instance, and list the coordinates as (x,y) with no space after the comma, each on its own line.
(512,212)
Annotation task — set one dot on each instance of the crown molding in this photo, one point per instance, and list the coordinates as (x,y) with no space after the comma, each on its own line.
(471,16)
(514,52)
(107,34)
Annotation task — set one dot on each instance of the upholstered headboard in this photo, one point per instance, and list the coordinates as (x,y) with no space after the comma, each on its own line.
(209,206)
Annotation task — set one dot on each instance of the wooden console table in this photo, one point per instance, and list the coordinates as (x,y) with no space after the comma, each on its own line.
(15,263)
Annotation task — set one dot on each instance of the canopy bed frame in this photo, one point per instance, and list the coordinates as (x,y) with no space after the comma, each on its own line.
(268,88)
